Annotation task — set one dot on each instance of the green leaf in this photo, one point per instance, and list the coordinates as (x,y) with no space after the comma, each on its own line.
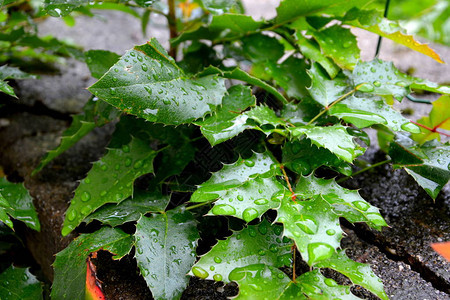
(371,21)
(256,244)
(382,78)
(312,51)
(291,76)
(95,114)
(303,158)
(222,26)
(145,3)
(131,209)
(259,281)
(261,48)
(290,10)
(313,225)
(264,115)
(345,203)
(109,181)
(238,74)
(367,111)
(439,117)
(428,164)
(7,72)
(19,284)
(147,83)
(165,251)
(323,90)
(219,6)
(334,138)
(100,61)
(339,44)
(70,264)
(234,176)
(250,200)
(16,202)
(227,122)
(316,286)
(358,273)
(61,8)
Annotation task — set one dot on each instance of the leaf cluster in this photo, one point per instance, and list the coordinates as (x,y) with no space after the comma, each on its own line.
(295,88)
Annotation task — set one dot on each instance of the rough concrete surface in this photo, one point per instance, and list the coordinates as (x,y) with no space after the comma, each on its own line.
(400,255)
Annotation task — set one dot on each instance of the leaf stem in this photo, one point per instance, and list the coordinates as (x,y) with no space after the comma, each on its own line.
(293,197)
(196,205)
(331,105)
(434,129)
(172,19)
(365,169)
(294,250)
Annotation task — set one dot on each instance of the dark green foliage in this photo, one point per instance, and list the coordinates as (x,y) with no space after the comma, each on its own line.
(244,120)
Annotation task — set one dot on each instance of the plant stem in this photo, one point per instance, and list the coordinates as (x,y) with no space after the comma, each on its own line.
(172,19)
(331,105)
(196,205)
(364,170)
(380,38)
(434,129)
(293,197)
(294,250)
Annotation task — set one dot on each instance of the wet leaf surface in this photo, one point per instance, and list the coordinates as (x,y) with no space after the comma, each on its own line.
(165,251)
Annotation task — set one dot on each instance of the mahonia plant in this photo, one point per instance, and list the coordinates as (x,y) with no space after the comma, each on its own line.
(277,100)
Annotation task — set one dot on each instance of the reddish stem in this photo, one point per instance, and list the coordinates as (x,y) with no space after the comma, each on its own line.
(432,129)
(293,196)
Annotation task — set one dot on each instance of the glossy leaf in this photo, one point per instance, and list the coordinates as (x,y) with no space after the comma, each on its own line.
(109,181)
(219,6)
(313,225)
(367,111)
(226,25)
(303,158)
(259,281)
(7,72)
(227,122)
(291,76)
(70,264)
(311,50)
(165,251)
(256,244)
(339,44)
(358,273)
(99,61)
(317,286)
(61,8)
(146,82)
(234,176)
(345,203)
(334,138)
(95,114)
(439,118)
(428,164)
(131,209)
(262,48)
(16,202)
(290,10)
(238,74)
(323,90)
(19,284)
(249,201)
(371,21)
(382,78)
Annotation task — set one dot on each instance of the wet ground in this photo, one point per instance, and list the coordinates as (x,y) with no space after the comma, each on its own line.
(400,255)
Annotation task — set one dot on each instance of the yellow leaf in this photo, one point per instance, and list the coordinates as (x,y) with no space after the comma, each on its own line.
(392,30)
